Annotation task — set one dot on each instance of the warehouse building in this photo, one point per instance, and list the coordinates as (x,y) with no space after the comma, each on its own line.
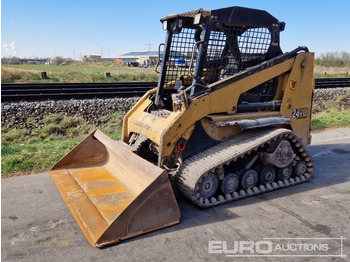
(148,58)
(92,58)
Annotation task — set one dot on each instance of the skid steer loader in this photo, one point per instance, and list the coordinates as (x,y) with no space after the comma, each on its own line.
(229,119)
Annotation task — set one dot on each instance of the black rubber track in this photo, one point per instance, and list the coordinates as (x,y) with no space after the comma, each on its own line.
(198,166)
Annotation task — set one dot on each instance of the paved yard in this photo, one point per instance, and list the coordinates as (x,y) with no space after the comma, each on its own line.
(36,225)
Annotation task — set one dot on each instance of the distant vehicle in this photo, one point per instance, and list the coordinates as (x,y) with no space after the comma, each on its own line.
(135,64)
(181,63)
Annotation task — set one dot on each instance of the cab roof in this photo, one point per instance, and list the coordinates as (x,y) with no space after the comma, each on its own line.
(235,15)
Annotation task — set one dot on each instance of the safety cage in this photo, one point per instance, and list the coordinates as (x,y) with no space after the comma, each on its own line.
(203,48)
(230,49)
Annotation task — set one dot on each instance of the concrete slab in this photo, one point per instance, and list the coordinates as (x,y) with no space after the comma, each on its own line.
(36,225)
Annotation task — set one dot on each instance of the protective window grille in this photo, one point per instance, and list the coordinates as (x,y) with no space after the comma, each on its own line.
(180,54)
(255,41)
(232,49)
(216,45)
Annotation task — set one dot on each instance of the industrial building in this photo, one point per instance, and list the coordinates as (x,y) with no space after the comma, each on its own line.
(148,58)
(92,58)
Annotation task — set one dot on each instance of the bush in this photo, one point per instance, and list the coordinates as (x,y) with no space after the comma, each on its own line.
(334,59)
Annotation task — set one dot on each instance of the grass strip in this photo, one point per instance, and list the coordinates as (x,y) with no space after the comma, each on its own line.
(33,150)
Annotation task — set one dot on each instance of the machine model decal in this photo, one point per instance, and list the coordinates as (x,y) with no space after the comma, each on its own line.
(299,113)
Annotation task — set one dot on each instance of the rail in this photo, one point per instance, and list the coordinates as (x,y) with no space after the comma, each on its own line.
(65,91)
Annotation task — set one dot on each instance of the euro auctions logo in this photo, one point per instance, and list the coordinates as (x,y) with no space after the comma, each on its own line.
(241,247)
(279,247)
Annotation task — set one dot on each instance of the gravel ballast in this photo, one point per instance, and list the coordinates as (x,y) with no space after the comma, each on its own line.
(16,114)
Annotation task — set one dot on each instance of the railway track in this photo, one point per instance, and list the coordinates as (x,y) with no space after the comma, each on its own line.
(332,82)
(65,91)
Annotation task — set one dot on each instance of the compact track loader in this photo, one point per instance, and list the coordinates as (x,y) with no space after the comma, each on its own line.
(230,118)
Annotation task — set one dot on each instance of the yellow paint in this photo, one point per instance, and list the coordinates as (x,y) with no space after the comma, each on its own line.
(300,96)
(105,191)
(295,86)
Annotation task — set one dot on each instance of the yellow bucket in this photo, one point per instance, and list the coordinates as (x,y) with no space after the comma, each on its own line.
(112,193)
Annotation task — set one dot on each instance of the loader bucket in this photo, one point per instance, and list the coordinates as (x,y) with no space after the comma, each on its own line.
(113,193)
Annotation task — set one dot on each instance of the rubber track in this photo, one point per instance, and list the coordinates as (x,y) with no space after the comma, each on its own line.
(231,150)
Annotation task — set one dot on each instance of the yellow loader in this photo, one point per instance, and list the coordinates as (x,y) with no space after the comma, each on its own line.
(230,118)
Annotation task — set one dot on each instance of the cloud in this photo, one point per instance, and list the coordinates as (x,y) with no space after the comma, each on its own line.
(10,48)
(13,47)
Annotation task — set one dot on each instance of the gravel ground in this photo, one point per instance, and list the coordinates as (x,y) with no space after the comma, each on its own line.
(17,114)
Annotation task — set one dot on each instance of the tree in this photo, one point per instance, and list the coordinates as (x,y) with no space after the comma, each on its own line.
(59,60)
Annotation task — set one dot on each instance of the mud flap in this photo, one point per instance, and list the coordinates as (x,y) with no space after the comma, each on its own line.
(112,193)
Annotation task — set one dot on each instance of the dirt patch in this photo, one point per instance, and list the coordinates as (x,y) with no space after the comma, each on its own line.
(331,70)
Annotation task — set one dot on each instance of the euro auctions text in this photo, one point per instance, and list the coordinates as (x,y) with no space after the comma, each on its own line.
(279,247)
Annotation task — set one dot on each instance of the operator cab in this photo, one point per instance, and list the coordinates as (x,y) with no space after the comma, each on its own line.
(203,47)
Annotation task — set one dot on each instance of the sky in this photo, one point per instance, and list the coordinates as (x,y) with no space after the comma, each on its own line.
(74,28)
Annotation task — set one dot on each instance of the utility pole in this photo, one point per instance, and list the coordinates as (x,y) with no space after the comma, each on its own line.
(149,46)
(101,51)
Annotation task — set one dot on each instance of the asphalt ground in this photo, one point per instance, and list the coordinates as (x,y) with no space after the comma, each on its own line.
(307,222)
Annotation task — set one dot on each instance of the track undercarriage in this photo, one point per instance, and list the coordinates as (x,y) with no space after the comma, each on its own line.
(241,167)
